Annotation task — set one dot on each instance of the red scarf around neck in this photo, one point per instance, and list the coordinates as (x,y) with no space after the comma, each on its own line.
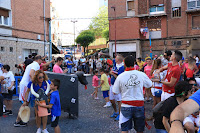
(129,69)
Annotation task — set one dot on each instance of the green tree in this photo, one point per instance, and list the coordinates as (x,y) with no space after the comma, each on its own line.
(85,38)
(106,34)
(100,22)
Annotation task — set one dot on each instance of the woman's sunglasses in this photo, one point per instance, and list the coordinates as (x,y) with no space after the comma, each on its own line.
(42,77)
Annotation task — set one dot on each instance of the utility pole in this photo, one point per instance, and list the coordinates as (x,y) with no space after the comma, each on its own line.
(44,28)
(74,21)
(113,7)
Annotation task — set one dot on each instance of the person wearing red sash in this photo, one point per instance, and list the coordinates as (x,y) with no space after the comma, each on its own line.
(130,84)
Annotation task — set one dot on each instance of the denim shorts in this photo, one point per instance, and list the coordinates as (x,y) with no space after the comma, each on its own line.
(129,114)
(161,131)
(105,94)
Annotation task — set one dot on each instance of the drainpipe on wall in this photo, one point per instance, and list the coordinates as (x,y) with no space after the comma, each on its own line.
(50,44)
(44,27)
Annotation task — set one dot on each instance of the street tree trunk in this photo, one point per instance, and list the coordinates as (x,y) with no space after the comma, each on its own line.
(84,51)
(87,50)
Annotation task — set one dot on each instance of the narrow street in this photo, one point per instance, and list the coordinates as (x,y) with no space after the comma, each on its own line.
(92,117)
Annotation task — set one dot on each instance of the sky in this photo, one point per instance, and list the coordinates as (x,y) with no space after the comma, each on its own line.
(76,9)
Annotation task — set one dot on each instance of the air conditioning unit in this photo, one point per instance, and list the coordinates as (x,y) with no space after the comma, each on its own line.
(38,37)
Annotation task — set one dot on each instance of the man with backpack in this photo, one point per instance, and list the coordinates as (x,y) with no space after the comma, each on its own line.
(164,109)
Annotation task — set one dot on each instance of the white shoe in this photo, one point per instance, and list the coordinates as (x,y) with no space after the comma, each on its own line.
(108,104)
(45,131)
(39,130)
(96,98)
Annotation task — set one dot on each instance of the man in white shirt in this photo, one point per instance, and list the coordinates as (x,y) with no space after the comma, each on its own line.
(28,75)
(75,61)
(130,84)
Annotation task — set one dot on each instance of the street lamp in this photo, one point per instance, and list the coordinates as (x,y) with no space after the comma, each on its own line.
(113,7)
(74,21)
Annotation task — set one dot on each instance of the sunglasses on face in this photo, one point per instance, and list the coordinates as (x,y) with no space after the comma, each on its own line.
(42,77)
(193,84)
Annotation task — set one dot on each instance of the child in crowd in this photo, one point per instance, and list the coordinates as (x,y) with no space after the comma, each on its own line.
(54,104)
(108,75)
(147,71)
(105,87)
(95,83)
(7,87)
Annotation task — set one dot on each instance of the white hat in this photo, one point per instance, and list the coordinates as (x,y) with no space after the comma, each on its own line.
(24,113)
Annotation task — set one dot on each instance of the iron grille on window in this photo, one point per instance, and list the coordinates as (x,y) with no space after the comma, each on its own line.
(176,12)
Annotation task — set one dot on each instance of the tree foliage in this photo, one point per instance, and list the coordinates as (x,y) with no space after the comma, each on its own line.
(85,38)
(106,34)
(100,22)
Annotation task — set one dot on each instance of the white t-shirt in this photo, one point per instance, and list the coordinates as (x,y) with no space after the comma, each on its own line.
(8,77)
(83,60)
(26,78)
(198,81)
(197,59)
(161,76)
(130,84)
(98,63)
(66,61)
(75,62)
(91,63)
(1,72)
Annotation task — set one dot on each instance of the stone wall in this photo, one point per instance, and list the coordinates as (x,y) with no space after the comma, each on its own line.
(17,55)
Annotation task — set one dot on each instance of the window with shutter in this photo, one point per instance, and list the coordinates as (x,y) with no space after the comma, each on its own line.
(195,22)
(130,5)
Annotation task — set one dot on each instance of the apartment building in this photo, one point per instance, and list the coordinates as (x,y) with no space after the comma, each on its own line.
(172,25)
(22,30)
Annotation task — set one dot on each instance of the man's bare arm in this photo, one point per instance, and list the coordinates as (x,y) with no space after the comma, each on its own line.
(180,112)
(31,74)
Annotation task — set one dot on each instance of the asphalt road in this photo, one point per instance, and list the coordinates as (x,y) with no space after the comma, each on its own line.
(93,117)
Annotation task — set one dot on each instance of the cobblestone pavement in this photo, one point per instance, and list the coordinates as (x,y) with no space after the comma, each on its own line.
(92,117)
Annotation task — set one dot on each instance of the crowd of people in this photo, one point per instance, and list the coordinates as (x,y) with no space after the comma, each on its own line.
(126,83)
(166,80)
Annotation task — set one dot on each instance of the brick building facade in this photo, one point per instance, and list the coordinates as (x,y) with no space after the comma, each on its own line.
(22,30)
(172,24)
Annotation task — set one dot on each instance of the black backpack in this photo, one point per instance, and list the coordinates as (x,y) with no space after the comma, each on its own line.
(158,115)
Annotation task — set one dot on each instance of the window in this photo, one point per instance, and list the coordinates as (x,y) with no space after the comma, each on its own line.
(195,22)
(154,25)
(176,12)
(2,49)
(157,9)
(130,5)
(193,4)
(4,16)
(5,20)
(11,49)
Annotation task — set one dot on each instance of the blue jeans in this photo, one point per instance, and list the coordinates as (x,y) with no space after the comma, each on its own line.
(135,114)
(161,131)
(69,70)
